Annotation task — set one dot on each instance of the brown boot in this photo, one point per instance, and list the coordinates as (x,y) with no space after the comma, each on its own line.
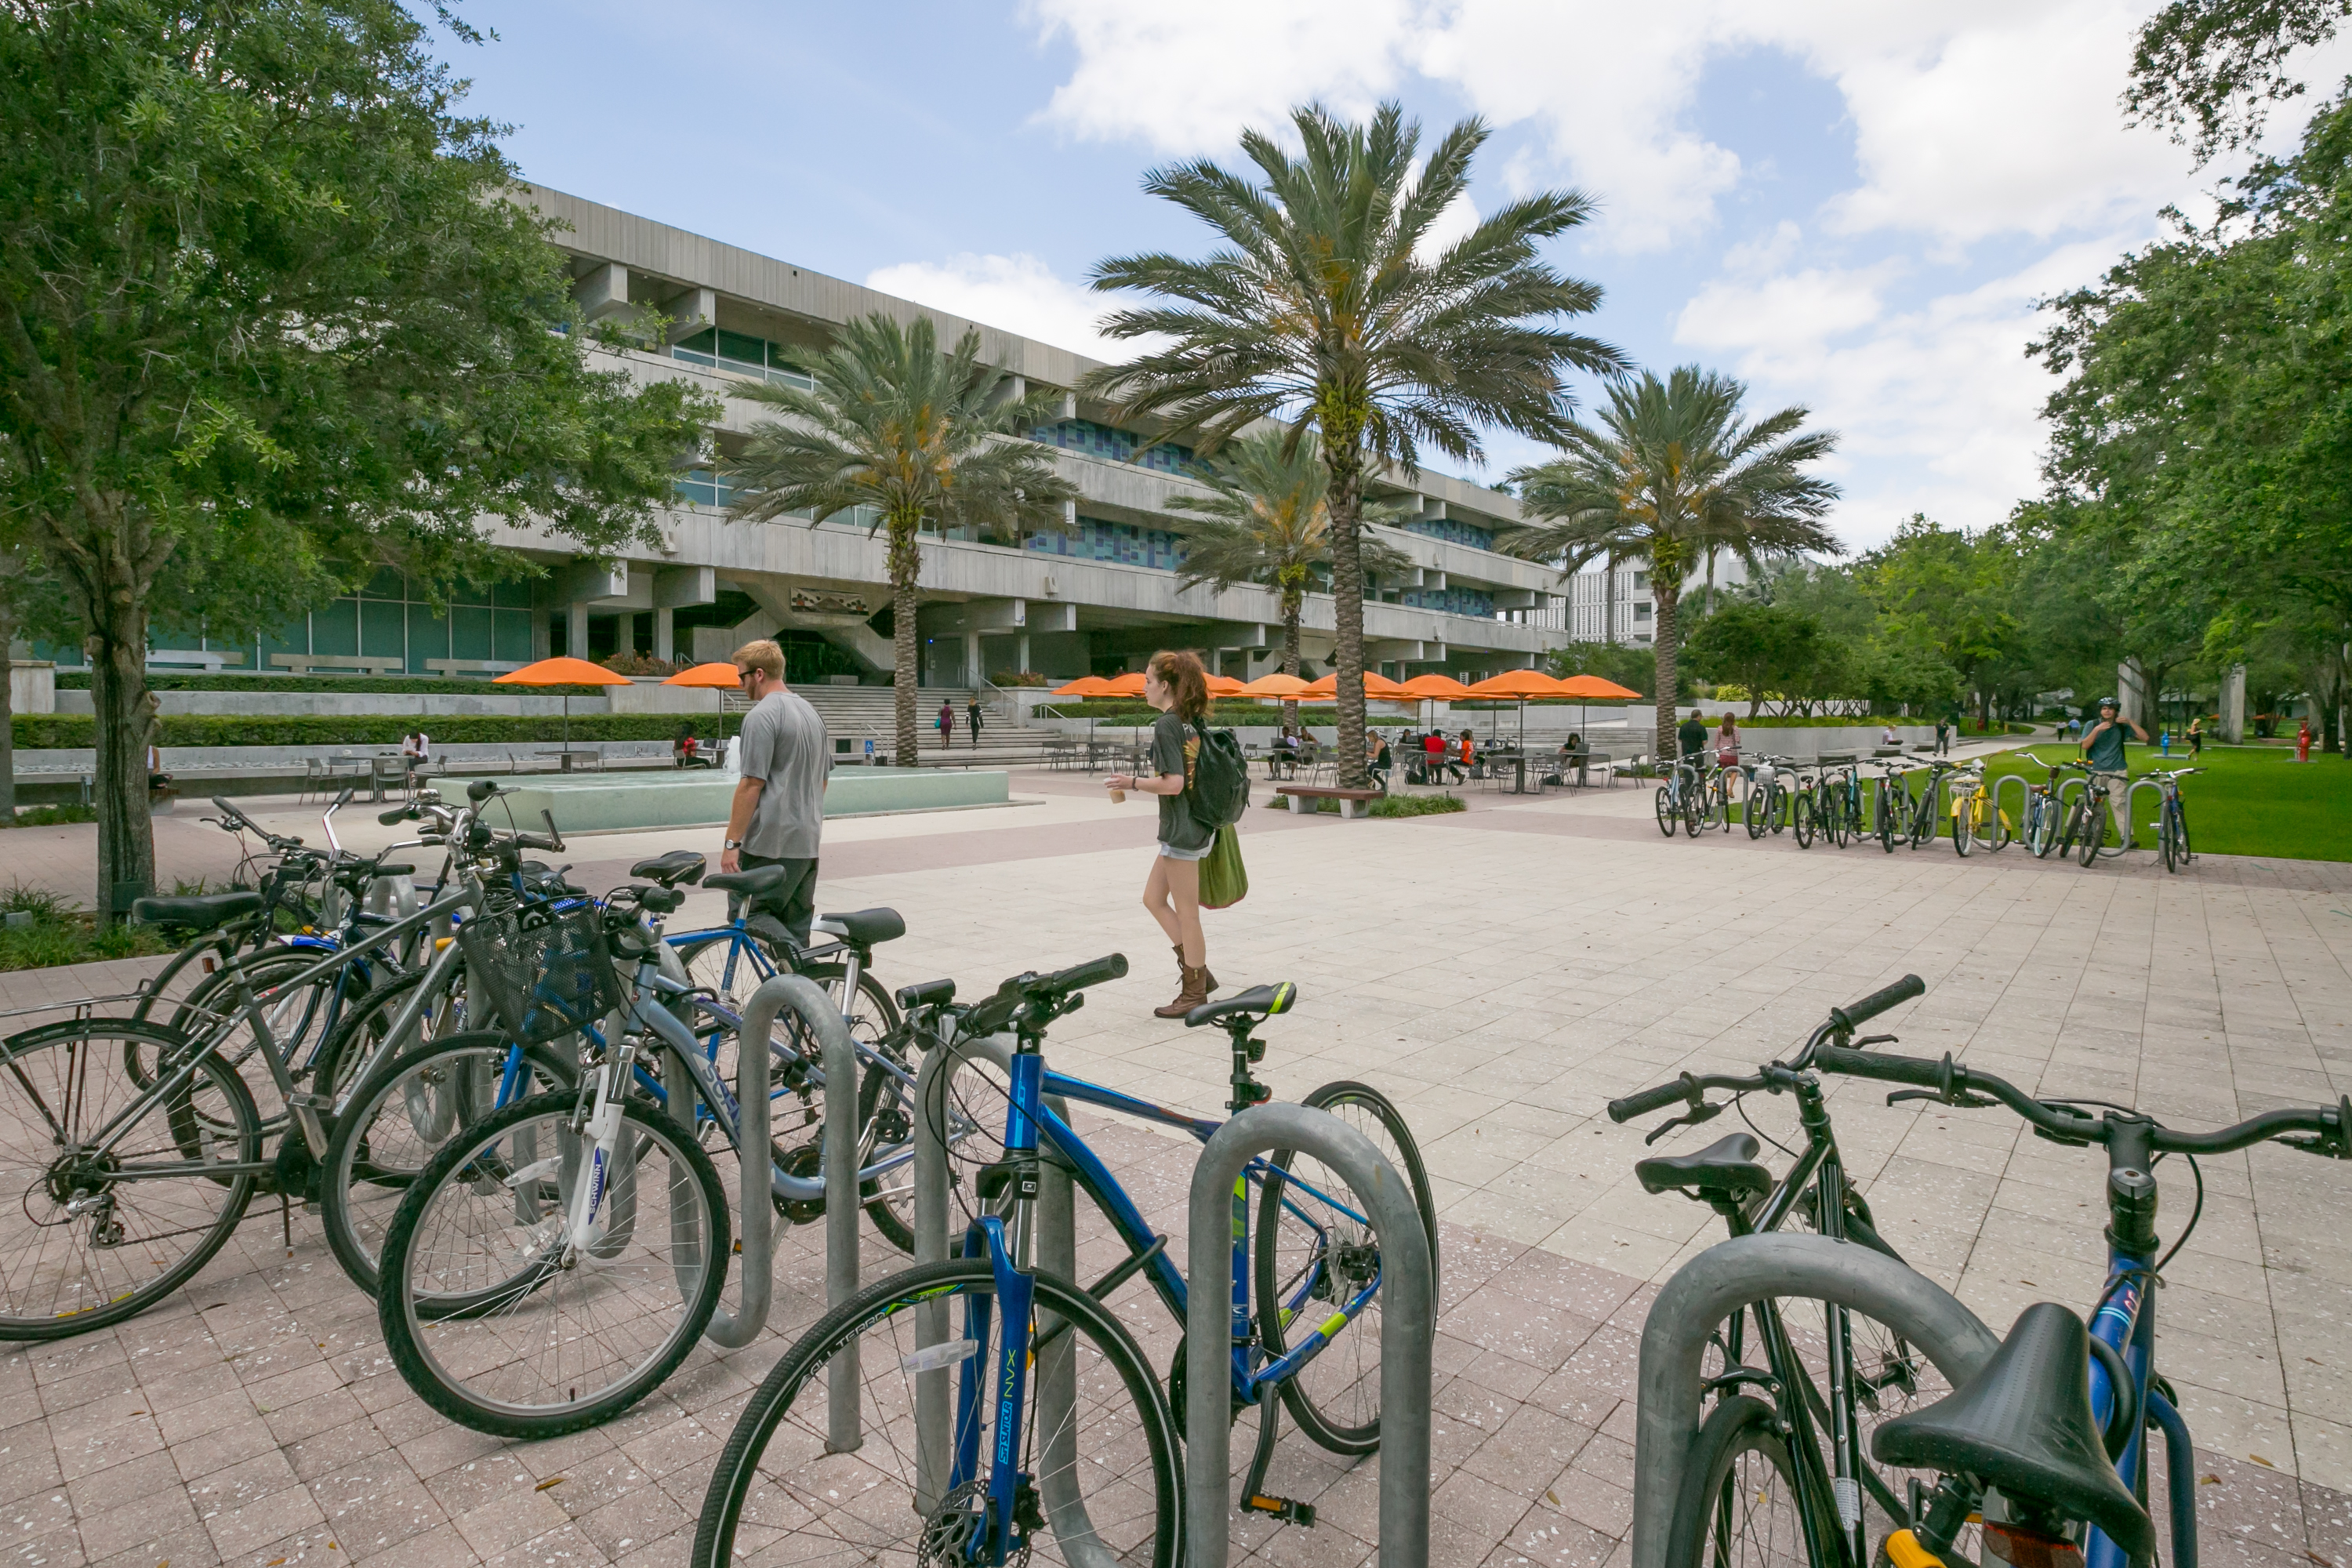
(1207,979)
(1195,992)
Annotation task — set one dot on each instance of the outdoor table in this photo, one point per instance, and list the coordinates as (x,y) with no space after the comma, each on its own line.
(566,764)
(386,766)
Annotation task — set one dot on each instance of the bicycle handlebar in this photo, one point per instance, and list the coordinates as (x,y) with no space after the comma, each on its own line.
(1841,1023)
(1953,1083)
(1847,1018)
(236,821)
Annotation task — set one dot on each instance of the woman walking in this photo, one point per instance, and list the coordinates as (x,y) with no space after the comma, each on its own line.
(2197,737)
(1176,685)
(1727,744)
(947,723)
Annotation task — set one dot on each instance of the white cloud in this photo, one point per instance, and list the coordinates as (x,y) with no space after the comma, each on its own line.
(1189,79)
(1014,293)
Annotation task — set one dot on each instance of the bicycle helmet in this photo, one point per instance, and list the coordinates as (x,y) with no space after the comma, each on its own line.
(2108,702)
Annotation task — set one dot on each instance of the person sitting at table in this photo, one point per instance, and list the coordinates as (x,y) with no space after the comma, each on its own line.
(689,753)
(1377,758)
(416,751)
(1283,754)
(1573,753)
(1433,757)
(1462,757)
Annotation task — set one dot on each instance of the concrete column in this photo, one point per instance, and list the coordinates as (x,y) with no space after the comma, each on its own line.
(972,659)
(2132,692)
(576,628)
(1021,650)
(664,633)
(542,638)
(2234,704)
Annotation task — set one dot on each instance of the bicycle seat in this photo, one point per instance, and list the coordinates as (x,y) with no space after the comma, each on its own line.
(202,912)
(2023,1424)
(678,866)
(862,927)
(1725,1168)
(1260,1000)
(751,884)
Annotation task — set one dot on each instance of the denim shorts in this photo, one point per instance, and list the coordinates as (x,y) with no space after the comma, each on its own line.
(1170,851)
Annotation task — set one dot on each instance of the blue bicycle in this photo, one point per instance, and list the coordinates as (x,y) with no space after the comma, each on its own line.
(1050,1435)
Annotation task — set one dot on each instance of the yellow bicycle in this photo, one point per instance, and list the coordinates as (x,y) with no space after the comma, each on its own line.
(1977,818)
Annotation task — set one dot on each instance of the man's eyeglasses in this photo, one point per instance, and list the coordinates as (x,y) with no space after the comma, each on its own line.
(742,675)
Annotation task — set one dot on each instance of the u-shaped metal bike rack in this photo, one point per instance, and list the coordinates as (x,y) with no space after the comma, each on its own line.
(2024,800)
(1408,1326)
(2131,800)
(1730,1275)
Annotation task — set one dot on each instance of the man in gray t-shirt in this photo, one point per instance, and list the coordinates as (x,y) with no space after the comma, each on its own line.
(778,816)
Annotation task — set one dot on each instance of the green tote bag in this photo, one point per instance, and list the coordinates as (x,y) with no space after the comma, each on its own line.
(1224,881)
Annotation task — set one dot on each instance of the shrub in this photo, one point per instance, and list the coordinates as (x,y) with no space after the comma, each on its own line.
(1418,804)
(36,731)
(60,933)
(377,684)
(1021,677)
(52,815)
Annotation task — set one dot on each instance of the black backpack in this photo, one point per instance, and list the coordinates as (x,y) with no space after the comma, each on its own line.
(1219,791)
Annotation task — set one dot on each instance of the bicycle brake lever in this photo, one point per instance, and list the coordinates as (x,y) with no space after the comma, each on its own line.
(2336,1143)
(1876,1040)
(1958,1097)
(1692,1118)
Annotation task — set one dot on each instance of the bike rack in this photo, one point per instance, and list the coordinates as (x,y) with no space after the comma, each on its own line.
(1408,1326)
(1730,1275)
(2131,802)
(2024,800)
(2067,790)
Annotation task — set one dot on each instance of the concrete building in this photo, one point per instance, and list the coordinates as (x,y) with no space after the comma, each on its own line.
(1603,603)
(1097,599)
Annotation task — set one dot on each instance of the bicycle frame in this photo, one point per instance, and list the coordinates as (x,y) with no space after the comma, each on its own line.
(1032,1125)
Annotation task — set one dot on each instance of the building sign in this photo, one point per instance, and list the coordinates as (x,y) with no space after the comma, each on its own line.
(830,604)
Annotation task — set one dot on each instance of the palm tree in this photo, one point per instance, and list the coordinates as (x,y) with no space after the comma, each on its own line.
(916,436)
(1269,522)
(1321,306)
(1671,475)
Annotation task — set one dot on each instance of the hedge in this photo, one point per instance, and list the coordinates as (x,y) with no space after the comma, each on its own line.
(44,731)
(369,685)
(1240,711)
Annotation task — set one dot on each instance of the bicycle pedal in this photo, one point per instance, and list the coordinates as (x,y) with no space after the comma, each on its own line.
(1282,1508)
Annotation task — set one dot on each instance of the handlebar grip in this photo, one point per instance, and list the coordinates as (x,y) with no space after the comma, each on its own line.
(1877,1002)
(344,799)
(395,817)
(1916,1070)
(480,790)
(1078,976)
(1654,1099)
(533,841)
(227,810)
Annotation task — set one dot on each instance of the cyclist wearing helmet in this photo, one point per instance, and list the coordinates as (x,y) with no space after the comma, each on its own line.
(2102,748)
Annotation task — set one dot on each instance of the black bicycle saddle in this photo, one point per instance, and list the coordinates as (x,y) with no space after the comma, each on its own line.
(864,928)
(202,912)
(2022,1424)
(678,866)
(1725,1168)
(751,884)
(1267,1000)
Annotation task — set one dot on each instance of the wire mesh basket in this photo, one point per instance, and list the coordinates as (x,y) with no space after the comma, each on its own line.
(547,970)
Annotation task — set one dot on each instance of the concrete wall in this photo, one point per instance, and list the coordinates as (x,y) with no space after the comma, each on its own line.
(649,697)
(33,687)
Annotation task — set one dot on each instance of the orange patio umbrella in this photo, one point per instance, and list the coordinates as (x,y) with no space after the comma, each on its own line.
(1083,685)
(720,676)
(563,672)
(1127,685)
(1280,687)
(1521,684)
(1378,687)
(1591,689)
(1223,685)
(1435,689)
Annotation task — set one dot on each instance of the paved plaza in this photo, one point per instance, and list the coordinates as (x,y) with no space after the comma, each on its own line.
(1501,974)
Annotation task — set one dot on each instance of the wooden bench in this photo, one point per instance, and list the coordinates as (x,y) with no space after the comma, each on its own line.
(209,660)
(453,666)
(1352,802)
(353,663)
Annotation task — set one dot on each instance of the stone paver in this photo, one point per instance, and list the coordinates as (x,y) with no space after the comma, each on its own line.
(1501,974)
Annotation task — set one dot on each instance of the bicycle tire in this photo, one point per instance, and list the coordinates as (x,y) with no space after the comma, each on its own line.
(1800,811)
(214,1120)
(420,1327)
(358,1044)
(1759,808)
(1720,1492)
(1889,818)
(359,1167)
(2095,829)
(2180,833)
(1668,816)
(1964,833)
(292,1020)
(1694,810)
(1307,1404)
(738,1483)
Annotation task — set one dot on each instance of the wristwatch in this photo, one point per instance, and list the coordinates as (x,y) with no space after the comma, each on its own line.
(732,844)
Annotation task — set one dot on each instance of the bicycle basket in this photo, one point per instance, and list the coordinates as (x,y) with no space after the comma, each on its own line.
(546,971)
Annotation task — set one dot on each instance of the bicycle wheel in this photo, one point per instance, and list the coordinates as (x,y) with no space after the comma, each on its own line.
(2179,817)
(1104,1469)
(1800,811)
(1740,1504)
(1759,808)
(1964,833)
(1891,826)
(1669,813)
(362,1037)
(1310,1258)
(499,1322)
(88,1238)
(2094,828)
(299,1017)
(401,1114)
(1694,810)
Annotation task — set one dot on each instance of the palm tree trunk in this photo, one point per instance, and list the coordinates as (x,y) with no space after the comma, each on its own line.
(1342,455)
(1668,602)
(1293,606)
(7,714)
(906,572)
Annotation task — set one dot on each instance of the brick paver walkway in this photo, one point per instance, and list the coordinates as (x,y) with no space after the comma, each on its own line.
(1500,974)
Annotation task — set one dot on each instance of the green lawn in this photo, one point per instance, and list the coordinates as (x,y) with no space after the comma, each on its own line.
(2253,800)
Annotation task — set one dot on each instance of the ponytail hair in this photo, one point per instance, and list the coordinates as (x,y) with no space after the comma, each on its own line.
(1183,674)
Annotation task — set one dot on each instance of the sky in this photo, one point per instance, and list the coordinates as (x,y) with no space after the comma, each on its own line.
(1851,204)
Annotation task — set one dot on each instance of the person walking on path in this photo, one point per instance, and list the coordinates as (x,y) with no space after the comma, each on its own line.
(1727,744)
(947,723)
(785,759)
(1692,734)
(2197,737)
(2102,748)
(1177,685)
(971,714)
(1944,736)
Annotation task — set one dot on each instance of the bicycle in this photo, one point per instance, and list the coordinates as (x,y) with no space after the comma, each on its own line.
(1839,788)
(2085,834)
(1680,800)
(2172,818)
(1891,804)
(1767,795)
(1859,1370)
(1928,807)
(1973,811)
(1312,1274)
(506,1272)
(2076,1403)
(2042,827)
